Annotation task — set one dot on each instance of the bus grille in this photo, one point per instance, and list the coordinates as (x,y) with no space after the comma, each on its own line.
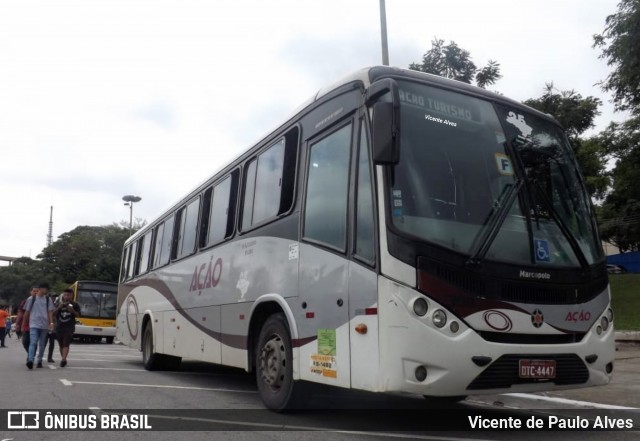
(532,339)
(503,373)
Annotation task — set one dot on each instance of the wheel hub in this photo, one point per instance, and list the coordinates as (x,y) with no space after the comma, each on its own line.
(272,358)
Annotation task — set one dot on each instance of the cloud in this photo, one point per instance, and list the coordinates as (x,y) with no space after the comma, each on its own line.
(106,98)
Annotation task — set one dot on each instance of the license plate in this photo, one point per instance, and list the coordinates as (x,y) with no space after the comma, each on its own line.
(97,329)
(543,369)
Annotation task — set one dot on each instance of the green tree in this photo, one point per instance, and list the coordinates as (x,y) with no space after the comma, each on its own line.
(86,253)
(620,214)
(16,280)
(574,113)
(620,45)
(451,61)
(577,114)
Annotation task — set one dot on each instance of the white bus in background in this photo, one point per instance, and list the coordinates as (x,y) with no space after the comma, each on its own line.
(400,233)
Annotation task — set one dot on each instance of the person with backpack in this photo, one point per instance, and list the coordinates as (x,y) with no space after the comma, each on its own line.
(39,313)
(22,325)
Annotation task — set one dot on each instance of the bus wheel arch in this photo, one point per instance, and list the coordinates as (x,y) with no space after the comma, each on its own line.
(151,359)
(259,316)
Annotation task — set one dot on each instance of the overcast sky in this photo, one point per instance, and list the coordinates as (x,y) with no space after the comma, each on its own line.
(100,99)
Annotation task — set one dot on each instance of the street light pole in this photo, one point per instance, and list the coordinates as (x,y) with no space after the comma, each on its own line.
(129,201)
(383,34)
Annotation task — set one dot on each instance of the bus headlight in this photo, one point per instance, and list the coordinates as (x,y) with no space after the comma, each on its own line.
(420,307)
(609,315)
(604,322)
(439,318)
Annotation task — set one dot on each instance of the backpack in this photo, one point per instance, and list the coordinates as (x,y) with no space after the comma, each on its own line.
(23,304)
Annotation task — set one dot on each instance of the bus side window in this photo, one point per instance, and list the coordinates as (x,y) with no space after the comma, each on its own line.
(145,248)
(263,186)
(221,208)
(325,216)
(125,262)
(164,240)
(187,230)
(365,243)
(132,260)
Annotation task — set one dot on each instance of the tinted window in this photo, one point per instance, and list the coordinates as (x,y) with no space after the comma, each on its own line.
(164,237)
(132,260)
(125,263)
(265,200)
(364,208)
(325,217)
(219,211)
(144,253)
(188,228)
(157,249)
(249,189)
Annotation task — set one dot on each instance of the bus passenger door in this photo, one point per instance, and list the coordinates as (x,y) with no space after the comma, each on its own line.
(324,267)
(363,278)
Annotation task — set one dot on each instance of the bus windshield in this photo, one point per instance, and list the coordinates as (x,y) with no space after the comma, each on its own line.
(474,175)
(97,304)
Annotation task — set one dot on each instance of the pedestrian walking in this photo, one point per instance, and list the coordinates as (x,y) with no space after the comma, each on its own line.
(66,314)
(8,323)
(22,325)
(4,314)
(51,337)
(39,313)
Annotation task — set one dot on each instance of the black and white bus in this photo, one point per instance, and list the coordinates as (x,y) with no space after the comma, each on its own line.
(400,233)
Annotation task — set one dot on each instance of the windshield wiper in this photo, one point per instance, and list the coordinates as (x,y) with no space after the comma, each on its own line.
(500,212)
(510,193)
(571,238)
(494,221)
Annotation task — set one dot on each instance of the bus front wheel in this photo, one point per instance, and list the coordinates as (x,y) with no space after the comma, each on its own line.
(274,365)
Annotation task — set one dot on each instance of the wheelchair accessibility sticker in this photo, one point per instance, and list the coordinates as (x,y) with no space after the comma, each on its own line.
(542,250)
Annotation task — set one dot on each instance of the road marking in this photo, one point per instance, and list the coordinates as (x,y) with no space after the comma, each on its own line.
(107,369)
(204,374)
(163,386)
(566,401)
(65,382)
(111,360)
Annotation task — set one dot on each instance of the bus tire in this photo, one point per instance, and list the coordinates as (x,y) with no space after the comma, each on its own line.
(169,362)
(150,359)
(109,340)
(274,365)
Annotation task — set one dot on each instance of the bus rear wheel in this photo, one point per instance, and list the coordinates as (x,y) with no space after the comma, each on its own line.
(274,365)
(150,359)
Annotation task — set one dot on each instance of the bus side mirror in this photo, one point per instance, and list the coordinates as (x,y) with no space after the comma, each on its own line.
(386,145)
(385,97)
